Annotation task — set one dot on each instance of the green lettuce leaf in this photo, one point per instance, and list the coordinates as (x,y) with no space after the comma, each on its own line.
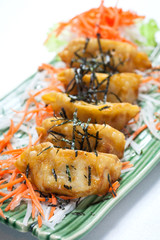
(148,30)
(54,44)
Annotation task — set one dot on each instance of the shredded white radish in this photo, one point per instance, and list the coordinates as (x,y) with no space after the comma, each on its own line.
(127,170)
(59,215)
(136,147)
(150,124)
(28,213)
(144,97)
(128,141)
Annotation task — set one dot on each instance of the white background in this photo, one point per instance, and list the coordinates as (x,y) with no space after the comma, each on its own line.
(23,28)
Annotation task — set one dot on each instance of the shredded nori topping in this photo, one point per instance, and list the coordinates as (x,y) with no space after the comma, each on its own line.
(44,150)
(67,187)
(78,213)
(89,176)
(27,170)
(73,167)
(57,133)
(63,113)
(68,173)
(32,226)
(110,184)
(102,108)
(52,205)
(80,135)
(46,196)
(92,64)
(54,174)
(118,98)
(61,202)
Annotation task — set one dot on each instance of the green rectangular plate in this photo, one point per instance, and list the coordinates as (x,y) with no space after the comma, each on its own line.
(75,227)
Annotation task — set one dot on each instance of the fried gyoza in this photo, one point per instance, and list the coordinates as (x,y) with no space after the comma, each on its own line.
(116,115)
(102,138)
(123,85)
(125,57)
(59,171)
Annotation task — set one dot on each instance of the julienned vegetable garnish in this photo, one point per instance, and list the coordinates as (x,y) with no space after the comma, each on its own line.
(77,151)
(103,20)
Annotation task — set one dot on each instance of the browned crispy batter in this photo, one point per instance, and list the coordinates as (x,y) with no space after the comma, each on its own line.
(123,52)
(61,172)
(109,140)
(123,85)
(116,115)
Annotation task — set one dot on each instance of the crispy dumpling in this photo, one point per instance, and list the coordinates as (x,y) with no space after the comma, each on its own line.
(123,85)
(59,171)
(125,57)
(116,115)
(88,137)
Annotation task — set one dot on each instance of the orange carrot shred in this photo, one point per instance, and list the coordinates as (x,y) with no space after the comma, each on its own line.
(33,195)
(13,176)
(54,201)
(16,197)
(158,126)
(126,165)
(39,221)
(139,130)
(2,214)
(10,184)
(114,188)
(10,194)
(103,20)
(33,210)
(3,194)
(9,146)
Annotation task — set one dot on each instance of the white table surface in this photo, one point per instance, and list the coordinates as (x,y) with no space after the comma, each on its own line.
(23,28)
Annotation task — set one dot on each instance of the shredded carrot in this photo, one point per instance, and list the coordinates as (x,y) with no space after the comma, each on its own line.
(10,194)
(126,165)
(39,221)
(13,129)
(14,151)
(41,199)
(9,146)
(136,118)
(33,195)
(5,171)
(13,177)
(10,184)
(54,201)
(4,180)
(30,140)
(147,79)
(2,214)
(103,20)
(158,126)
(114,188)
(49,68)
(139,130)
(33,210)
(16,198)
(3,194)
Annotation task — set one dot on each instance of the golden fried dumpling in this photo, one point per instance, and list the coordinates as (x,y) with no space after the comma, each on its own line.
(125,56)
(122,85)
(59,171)
(116,115)
(88,137)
